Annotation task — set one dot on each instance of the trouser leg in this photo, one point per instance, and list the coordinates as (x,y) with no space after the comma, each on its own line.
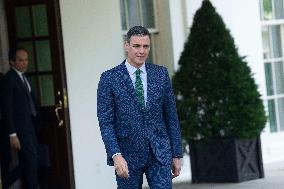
(28,160)
(134,181)
(159,176)
(10,169)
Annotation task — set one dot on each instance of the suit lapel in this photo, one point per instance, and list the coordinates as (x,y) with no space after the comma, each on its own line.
(127,83)
(150,84)
(20,82)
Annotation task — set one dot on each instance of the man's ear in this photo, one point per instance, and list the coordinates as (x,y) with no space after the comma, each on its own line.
(11,63)
(126,46)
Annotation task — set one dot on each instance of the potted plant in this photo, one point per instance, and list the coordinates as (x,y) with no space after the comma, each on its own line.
(220,109)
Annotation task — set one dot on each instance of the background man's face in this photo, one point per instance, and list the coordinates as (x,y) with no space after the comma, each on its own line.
(21,62)
(138,50)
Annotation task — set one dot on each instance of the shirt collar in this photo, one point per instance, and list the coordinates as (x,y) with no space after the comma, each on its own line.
(18,72)
(131,69)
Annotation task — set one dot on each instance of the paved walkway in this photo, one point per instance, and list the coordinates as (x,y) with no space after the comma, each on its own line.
(274,179)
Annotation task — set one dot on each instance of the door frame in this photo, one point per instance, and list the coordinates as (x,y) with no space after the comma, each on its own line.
(59,56)
(4,65)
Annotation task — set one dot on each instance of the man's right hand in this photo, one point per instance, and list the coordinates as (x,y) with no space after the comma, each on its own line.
(15,143)
(120,166)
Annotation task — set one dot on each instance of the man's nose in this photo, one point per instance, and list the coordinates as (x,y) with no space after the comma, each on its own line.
(141,50)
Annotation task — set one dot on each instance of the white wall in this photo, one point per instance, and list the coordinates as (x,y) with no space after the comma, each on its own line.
(92,43)
(179,28)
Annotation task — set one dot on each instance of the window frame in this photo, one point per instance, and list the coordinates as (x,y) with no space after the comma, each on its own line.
(275,97)
(262,18)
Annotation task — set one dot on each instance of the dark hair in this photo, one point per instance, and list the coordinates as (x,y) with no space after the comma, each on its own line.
(13,52)
(137,30)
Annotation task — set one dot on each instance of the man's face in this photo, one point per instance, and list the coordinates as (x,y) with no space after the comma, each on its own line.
(21,62)
(138,50)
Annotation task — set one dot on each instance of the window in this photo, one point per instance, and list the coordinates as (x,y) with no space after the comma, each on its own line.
(139,12)
(271,36)
(272,16)
(272,9)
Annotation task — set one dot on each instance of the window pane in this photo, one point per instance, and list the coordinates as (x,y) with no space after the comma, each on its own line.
(23,22)
(40,20)
(281,113)
(43,55)
(265,43)
(29,47)
(279,77)
(46,90)
(269,80)
(123,15)
(279,12)
(148,13)
(267,10)
(133,13)
(271,116)
(271,42)
(276,41)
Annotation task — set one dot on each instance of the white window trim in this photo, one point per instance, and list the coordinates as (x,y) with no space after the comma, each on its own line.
(151,30)
(273,11)
(275,97)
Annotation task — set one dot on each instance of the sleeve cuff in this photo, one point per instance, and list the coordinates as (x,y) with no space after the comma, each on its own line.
(115,155)
(13,134)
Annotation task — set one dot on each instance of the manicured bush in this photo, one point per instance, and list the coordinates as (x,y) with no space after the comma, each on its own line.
(216,93)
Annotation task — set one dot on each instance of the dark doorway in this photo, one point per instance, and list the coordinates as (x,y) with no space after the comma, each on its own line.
(35,25)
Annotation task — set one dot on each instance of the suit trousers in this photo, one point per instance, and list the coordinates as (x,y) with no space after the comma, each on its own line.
(158,176)
(27,163)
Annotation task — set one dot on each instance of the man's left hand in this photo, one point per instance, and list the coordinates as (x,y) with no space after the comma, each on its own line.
(176,167)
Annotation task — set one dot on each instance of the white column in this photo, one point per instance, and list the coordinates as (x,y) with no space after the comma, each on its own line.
(92,43)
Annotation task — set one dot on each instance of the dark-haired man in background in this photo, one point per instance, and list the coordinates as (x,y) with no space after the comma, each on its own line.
(19,113)
(138,119)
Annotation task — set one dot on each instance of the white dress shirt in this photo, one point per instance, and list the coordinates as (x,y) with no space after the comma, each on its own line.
(23,78)
(131,70)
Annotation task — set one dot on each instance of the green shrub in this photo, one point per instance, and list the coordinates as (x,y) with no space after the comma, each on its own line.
(216,93)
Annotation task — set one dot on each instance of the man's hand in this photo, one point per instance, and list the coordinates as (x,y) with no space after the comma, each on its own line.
(15,143)
(120,166)
(176,167)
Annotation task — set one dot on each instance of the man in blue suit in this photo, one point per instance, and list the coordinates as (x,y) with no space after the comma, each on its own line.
(138,118)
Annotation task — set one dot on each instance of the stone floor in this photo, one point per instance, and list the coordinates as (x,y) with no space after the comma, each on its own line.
(274,179)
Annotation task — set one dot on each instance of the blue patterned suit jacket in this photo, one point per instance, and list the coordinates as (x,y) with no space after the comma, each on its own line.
(131,131)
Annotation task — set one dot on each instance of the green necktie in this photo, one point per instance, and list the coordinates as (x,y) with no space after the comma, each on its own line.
(139,88)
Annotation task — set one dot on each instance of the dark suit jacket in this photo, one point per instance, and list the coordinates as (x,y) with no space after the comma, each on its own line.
(1,89)
(16,105)
(2,131)
(126,128)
